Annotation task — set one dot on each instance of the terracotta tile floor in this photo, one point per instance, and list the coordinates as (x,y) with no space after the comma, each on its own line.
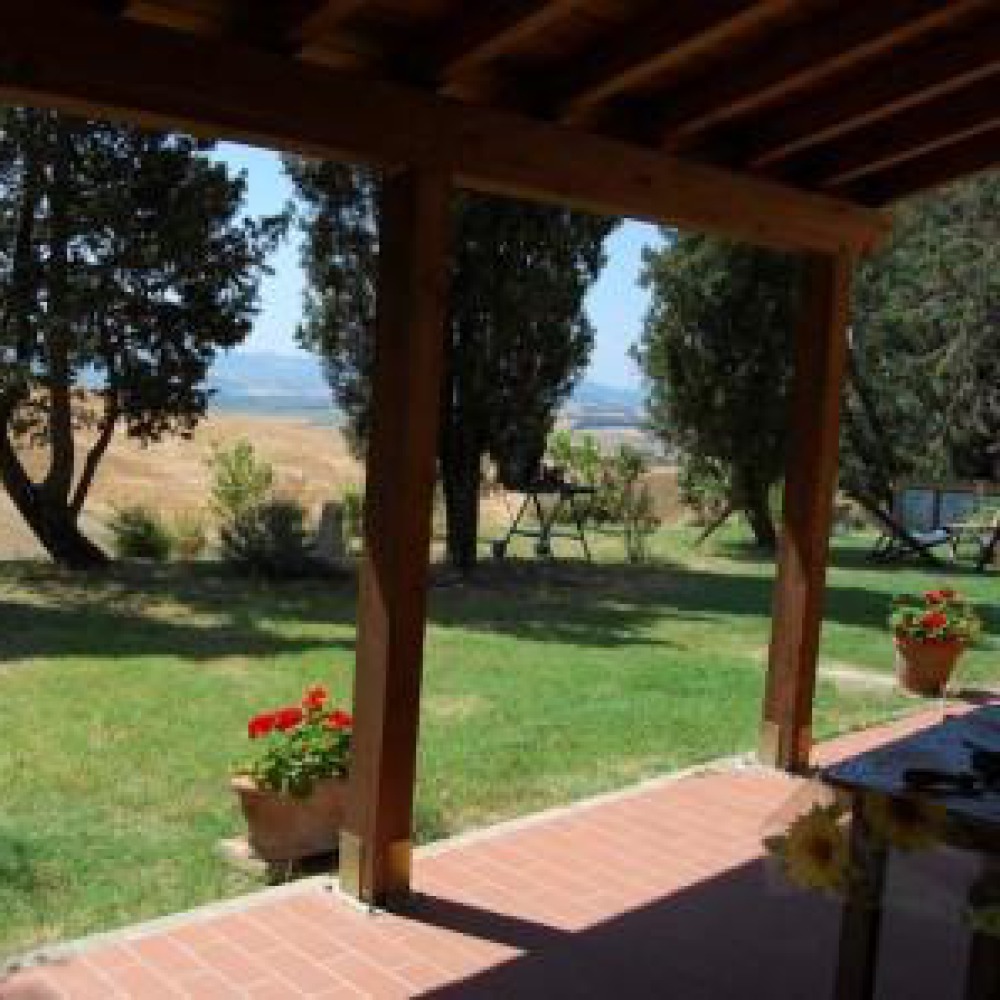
(658,892)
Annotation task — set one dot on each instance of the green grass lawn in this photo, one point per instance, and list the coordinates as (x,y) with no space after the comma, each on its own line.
(124,698)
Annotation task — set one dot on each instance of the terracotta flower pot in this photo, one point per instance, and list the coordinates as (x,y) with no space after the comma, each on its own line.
(289,828)
(925,668)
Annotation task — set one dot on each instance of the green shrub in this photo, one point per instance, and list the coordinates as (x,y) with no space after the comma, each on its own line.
(139,533)
(189,536)
(705,488)
(580,461)
(579,458)
(352,502)
(240,481)
(270,540)
(613,475)
(638,522)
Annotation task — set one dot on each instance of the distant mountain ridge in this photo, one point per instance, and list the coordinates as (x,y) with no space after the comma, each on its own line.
(263,382)
(249,375)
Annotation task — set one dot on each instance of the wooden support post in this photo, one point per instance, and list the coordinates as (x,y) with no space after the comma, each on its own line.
(402,449)
(810,483)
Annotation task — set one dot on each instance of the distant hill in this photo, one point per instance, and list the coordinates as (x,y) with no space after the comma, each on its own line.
(293,384)
(611,397)
(249,382)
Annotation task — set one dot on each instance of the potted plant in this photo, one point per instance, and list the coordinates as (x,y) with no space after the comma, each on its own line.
(292,790)
(931,631)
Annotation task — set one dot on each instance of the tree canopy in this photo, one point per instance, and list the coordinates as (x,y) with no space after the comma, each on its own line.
(716,352)
(925,346)
(125,264)
(517,335)
(921,394)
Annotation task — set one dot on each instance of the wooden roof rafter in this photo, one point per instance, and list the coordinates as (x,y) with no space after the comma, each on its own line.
(952,117)
(287,27)
(816,95)
(169,79)
(920,74)
(777,69)
(193,20)
(485,31)
(964,158)
(669,37)
(321,20)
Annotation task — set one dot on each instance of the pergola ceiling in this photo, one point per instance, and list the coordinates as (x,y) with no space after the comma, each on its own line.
(783,122)
(865,100)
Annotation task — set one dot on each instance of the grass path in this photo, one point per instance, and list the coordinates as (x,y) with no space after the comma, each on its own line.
(123,702)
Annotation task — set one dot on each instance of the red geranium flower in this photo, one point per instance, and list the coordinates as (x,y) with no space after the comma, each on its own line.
(288,718)
(339,720)
(934,619)
(939,596)
(315,697)
(261,725)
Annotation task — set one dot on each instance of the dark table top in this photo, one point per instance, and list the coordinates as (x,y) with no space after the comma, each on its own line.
(947,747)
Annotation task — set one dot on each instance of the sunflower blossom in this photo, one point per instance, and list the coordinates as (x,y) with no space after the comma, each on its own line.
(814,852)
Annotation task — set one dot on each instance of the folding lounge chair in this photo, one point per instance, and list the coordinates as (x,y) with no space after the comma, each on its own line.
(897,542)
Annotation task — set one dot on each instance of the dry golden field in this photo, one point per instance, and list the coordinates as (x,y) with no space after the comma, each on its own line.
(311,463)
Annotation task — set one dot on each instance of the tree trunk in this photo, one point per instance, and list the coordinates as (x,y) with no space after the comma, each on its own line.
(97,451)
(60,534)
(59,480)
(715,523)
(53,523)
(761,522)
(461,473)
(754,498)
(460,450)
(47,508)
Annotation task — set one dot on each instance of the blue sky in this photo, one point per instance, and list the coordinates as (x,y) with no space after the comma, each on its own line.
(616,304)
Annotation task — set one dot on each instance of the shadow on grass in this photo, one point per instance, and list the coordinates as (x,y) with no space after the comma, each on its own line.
(618,605)
(191,612)
(200,611)
(17,866)
(600,605)
(848,554)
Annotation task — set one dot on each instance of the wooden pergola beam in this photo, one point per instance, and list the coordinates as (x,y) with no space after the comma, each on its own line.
(919,130)
(810,483)
(922,75)
(768,74)
(277,27)
(199,21)
(664,40)
(414,267)
(487,30)
(960,159)
(105,67)
(287,27)
(325,16)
